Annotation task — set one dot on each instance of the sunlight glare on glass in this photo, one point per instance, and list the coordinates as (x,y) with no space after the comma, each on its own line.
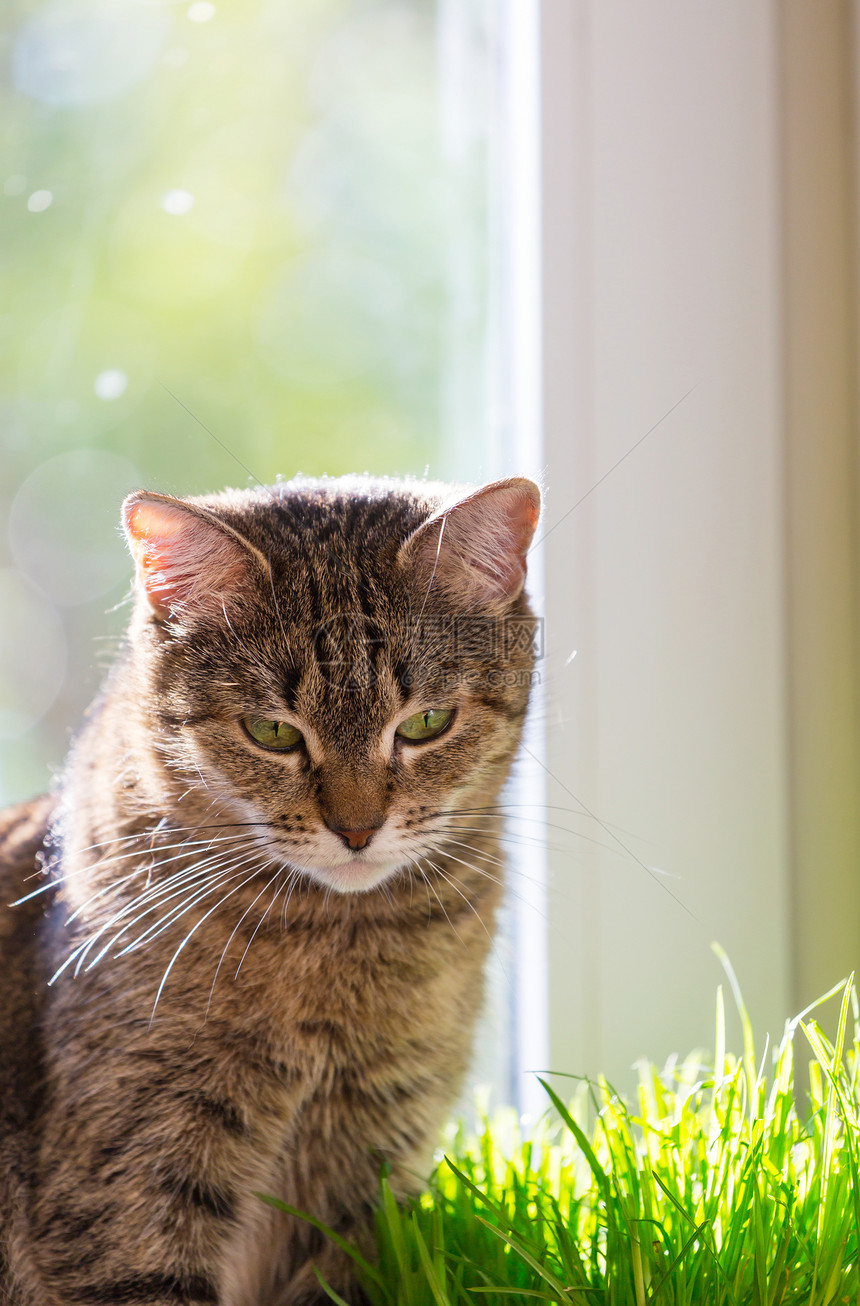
(201,11)
(175,57)
(39,201)
(28,684)
(66,411)
(177,202)
(112,383)
(86,51)
(62,524)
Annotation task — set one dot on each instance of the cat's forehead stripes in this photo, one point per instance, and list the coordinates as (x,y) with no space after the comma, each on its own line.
(336,520)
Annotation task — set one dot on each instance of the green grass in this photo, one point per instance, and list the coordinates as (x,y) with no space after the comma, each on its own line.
(716,1188)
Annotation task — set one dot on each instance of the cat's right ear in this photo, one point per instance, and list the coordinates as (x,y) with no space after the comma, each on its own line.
(475,550)
(186,559)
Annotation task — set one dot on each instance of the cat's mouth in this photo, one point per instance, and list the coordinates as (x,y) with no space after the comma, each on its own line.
(360,874)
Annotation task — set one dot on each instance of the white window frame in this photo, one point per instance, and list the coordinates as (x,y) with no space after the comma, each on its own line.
(682,308)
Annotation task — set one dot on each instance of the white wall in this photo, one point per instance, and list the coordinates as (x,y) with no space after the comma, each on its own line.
(661,279)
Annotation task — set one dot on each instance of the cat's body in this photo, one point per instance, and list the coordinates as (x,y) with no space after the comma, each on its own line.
(307,923)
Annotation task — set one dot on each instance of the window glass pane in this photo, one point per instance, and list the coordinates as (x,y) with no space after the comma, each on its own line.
(237,240)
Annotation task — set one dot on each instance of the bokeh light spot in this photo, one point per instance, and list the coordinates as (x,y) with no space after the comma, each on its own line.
(201,11)
(177,202)
(39,201)
(112,383)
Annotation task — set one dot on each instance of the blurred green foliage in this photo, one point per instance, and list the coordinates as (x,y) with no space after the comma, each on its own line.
(235,216)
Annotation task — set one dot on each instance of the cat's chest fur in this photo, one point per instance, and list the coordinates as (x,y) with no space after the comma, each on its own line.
(322,983)
(330,1053)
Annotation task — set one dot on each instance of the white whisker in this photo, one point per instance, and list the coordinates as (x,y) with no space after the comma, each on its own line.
(262,918)
(164,890)
(231,938)
(146,869)
(440,902)
(190,935)
(217,877)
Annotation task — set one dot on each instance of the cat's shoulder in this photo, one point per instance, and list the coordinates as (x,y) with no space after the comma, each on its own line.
(24,826)
(23,833)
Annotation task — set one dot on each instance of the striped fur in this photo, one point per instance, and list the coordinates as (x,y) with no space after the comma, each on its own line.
(204,994)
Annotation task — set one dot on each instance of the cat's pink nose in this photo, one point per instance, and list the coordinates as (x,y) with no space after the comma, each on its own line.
(354,839)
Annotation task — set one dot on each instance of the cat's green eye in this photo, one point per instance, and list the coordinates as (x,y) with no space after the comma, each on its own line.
(272,734)
(424,725)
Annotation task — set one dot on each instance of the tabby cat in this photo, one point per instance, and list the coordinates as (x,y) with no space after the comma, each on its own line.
(246,948)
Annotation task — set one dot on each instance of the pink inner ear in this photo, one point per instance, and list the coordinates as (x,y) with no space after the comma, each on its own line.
(495,533)
(183,560)
(481,553)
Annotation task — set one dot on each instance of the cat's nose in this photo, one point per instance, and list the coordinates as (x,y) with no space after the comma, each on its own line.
(354,839)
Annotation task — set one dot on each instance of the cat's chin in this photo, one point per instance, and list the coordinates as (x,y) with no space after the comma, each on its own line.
(353,877)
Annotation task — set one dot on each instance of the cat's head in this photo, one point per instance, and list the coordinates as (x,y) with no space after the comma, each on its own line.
(342,664)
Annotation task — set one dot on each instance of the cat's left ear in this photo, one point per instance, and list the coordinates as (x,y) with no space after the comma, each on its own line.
(475,550)
(187,559)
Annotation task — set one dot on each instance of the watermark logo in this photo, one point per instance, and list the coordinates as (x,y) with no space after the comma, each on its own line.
(351,650)
(348,651)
